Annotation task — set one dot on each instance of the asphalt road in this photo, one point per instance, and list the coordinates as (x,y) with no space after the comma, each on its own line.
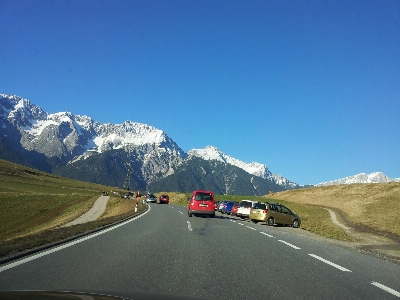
(165,251)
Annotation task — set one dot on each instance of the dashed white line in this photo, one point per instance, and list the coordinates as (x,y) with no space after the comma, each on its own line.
(266,234)
(385,288)
(240,224)
(330,263)
(181,213)
(290,245)
(189,226)
(251,228)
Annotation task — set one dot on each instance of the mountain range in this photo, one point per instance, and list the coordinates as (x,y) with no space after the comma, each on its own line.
(130,155)
(375,177)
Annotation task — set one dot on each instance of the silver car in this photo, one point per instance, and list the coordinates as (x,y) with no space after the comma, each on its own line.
(151,198)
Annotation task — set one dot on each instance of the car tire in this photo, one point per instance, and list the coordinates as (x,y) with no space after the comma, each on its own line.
(212,216)
(295,224)
(189,214)
(254,221)
(271,221)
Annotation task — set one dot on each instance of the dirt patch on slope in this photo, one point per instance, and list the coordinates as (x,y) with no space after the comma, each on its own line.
(367,212)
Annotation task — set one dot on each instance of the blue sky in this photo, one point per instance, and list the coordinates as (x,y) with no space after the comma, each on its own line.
(309,88)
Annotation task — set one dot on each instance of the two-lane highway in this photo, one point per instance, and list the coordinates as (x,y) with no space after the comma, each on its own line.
(165,251)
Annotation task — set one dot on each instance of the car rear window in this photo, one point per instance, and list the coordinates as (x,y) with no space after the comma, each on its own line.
(246,204)
(203,196)
(259,206)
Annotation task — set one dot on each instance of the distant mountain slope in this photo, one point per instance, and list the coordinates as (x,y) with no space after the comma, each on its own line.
(197,173)
(257,169)
(375,177)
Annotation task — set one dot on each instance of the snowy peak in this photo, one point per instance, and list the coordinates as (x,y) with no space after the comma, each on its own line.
(20,111)
(254,168)
(375,177)
(212,153)
(76,133)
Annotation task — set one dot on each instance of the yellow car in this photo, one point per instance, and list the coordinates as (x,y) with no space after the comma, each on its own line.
(274,213)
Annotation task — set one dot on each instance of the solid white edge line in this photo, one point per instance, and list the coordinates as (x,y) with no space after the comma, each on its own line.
(290,245)
(386,289)
(58,248)
(330,263)
(251,228)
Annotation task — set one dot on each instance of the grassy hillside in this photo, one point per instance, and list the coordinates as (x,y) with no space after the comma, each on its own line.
(32,201)
(375,206)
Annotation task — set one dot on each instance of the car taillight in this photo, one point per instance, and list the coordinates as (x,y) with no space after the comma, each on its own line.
(265,211)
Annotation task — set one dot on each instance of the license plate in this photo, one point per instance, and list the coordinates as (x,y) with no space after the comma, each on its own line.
(203,205)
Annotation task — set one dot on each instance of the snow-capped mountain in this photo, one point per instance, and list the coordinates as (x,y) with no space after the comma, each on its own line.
(67,138)
(375,177)
(257,169)
(53,141)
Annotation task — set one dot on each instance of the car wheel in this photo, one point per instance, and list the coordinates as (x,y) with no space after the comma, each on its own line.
(212,216)
(254,221)
(189,214)
(271,221)
(295,224)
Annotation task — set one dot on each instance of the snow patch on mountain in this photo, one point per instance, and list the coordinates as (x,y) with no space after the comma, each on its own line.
(375,177)
(254,168)
(213,153)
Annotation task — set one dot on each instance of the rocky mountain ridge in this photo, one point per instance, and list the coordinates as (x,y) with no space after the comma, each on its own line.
(60,140)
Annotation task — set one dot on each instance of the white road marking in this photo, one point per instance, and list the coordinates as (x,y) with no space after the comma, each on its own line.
(293,246)
(240,224)
(385,288)
(181,213)
(189,226)
(251,228)
(330,263)
(266,234)
(63,246)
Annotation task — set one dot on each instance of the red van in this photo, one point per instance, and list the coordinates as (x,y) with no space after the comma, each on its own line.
(201,203)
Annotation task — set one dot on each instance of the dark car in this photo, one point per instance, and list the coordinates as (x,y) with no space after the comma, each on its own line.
(163,199)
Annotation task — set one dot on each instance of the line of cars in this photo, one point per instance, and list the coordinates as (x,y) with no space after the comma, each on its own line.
(268,212)
(160,200)
(202,202)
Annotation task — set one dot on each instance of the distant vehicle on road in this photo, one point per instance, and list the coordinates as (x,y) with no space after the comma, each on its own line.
(201,203)
(163,199)
(151,198)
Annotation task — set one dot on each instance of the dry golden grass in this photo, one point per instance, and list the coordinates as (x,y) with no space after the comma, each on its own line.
(175,198)
(375,205)
(119,206)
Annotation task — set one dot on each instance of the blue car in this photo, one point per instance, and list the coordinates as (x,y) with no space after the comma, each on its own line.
(227,206)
